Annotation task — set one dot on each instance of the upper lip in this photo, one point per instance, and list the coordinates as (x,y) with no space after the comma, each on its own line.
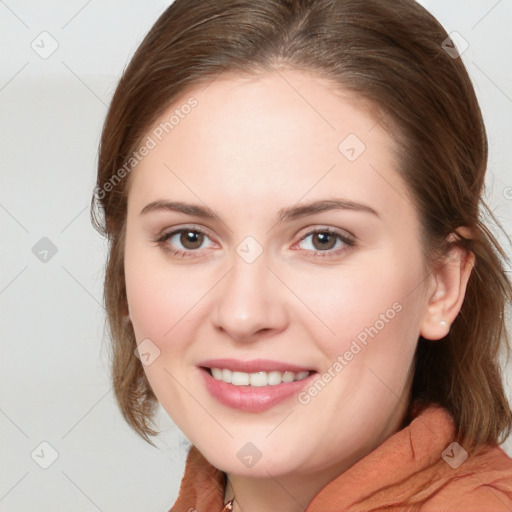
(253,366)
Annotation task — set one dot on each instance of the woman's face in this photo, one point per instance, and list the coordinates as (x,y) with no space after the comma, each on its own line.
(269,228)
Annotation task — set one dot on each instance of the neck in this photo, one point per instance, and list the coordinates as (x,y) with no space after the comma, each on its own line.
(289,493)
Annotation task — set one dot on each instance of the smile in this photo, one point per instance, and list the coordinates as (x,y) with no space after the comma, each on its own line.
(253,386)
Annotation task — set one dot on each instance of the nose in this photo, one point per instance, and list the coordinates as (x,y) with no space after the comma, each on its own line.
(249,303)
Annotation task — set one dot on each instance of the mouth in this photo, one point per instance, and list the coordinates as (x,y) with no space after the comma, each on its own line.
(253,386)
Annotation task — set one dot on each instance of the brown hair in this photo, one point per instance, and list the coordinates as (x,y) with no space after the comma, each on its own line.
(389,53)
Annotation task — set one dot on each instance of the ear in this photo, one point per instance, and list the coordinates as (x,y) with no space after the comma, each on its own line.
(446,291)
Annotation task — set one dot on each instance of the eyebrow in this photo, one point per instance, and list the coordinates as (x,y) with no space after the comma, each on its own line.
(176,206)
(296,212)
(285,214)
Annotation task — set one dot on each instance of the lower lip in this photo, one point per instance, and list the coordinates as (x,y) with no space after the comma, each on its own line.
(253,398)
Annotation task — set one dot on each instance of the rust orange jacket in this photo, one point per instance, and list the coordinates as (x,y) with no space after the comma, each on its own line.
(413,470)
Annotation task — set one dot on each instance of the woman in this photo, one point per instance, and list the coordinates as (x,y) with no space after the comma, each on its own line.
(297,270)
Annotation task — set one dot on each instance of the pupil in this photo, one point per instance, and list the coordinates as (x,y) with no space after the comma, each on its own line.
(191,239)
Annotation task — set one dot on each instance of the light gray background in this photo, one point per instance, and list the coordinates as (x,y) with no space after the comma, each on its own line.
(54,366)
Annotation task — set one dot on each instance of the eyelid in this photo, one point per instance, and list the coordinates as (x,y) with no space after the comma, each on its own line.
(318,228)
(167,232)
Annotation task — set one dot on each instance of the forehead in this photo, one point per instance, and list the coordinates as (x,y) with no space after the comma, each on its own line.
(283,134)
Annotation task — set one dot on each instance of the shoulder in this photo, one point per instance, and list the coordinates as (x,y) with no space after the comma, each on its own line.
(483,482)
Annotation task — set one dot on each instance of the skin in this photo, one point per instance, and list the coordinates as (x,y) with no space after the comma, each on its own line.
(251,147)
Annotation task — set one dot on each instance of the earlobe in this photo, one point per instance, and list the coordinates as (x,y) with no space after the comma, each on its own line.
(446,293)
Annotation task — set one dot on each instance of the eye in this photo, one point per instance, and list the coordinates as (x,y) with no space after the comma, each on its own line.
(181,242)
(326,240)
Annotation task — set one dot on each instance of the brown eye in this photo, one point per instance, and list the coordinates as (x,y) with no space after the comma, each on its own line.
(191,239)
(186,242)
(327,242)
(324,241)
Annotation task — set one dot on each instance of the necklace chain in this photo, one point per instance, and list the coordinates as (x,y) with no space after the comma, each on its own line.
(228,507)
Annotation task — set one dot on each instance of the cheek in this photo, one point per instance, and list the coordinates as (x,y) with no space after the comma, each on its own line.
(161,307)
(369,314)
(150,302)
(345,301)
(156,301)
(164,301)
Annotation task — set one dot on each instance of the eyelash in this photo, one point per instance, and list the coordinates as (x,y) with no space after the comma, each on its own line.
(348,241)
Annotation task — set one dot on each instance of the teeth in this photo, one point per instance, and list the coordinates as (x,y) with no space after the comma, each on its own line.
(274,378)
(257,379)
(240,379)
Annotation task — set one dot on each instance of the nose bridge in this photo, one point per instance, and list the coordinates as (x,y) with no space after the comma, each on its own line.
(249,300)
